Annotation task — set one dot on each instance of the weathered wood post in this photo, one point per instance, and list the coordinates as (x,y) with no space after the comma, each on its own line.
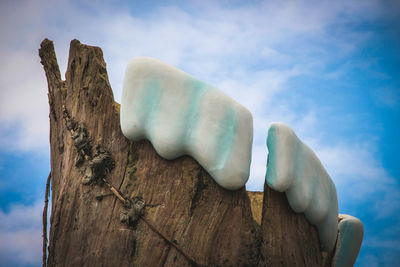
(92,163)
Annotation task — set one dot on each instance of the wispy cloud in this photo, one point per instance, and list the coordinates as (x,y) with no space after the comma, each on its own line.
(21,235)
(247,50)
(360,177)
(23,102)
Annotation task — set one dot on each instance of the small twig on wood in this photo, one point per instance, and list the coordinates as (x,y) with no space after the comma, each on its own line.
(46,202)
(152,227)
(125,201)
(115,191)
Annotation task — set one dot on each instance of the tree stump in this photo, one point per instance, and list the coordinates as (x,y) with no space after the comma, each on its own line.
(186,218)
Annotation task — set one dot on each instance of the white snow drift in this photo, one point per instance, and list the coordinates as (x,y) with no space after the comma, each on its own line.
(350,237)
(295,169)
(180,115)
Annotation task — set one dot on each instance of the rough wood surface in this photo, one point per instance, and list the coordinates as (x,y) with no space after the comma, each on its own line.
(44,220)
(212,225)
(256,204)
(288,238)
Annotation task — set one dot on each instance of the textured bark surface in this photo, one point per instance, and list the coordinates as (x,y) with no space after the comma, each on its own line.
(283,231)
(212,225)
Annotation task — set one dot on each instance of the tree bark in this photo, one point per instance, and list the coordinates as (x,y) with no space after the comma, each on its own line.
(99,178)
(288,238)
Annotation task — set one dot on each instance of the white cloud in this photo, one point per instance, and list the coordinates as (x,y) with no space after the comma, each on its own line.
(21,235)
(215,42)
(359,177)
(363,161)
(23,101)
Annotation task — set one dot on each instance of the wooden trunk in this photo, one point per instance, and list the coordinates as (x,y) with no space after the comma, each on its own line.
(89,156)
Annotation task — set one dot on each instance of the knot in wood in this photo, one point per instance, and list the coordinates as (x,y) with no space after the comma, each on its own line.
(69,122)
(99,167)
(81,138)
(133,211)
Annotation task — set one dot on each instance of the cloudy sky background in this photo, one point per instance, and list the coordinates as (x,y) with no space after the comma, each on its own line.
(328,69)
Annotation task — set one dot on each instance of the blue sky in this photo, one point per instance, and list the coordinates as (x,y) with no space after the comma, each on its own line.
(328,69)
